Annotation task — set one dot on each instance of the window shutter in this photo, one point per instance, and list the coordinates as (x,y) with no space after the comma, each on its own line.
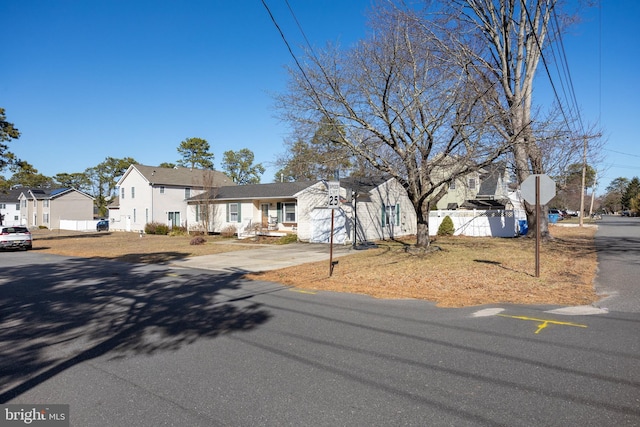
(227,212)
(384,209)
(239,212)
(398,214)
(279,214)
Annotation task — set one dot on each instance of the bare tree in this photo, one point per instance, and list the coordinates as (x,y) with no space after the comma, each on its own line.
(515,34)
(205,208)
(406,106)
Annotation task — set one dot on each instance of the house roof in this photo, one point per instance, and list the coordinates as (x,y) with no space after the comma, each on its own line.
(184,177)
(485,204)
(10,196)
(490,178)
(364,184)
(49,193)
(255,191)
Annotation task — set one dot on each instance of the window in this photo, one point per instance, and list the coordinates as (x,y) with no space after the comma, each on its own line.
(133,192)
(289,212)
(45,218)
(45,203)
(390,215)
(233,212)
(472,183)
(187,193)
(161,189)
(452,185)
(24,203)
(3,206)
(17,206)
(122,193)
(200,214)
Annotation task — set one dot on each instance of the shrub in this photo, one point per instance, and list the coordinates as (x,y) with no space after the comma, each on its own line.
(198,240)
(228,231)
(446,227)
(178,231)
(285,240)
(156,228)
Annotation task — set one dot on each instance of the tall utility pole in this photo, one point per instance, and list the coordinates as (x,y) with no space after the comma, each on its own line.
(584,180)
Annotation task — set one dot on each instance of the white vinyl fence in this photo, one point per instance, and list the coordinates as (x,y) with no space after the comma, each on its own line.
(78,225)
(479,223)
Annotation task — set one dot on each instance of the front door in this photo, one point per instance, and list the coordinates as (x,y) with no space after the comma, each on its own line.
(174,219)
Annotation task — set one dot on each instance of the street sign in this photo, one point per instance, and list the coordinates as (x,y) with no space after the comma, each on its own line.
(547,189)
(334,195)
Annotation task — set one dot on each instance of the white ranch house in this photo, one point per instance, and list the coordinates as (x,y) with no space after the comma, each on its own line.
(383,210)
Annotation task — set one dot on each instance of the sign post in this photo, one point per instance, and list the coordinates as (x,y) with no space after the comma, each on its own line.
(333,203)
(538,189)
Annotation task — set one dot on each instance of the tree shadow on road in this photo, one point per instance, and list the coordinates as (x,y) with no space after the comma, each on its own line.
(56,315)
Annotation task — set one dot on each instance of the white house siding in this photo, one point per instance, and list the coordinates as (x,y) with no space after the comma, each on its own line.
(142,200)
(321,222)
(308,200)
(150,203)
(370,225)
(11,212)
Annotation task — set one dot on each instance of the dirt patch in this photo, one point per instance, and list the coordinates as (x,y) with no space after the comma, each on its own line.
(465,271)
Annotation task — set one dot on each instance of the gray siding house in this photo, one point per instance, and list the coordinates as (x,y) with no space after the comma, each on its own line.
(46,207)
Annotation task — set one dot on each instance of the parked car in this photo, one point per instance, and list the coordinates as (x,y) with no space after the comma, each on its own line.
(102,225)
(15,237)
(557,212)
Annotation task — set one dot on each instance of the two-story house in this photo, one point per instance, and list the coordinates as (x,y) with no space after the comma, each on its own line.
(153,194)
(10,207)
(487,188)
(46,207)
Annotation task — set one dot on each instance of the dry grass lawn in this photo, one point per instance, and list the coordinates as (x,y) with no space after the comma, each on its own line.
(466,271)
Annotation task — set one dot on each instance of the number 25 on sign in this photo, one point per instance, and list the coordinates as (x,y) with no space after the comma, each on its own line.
(334,195)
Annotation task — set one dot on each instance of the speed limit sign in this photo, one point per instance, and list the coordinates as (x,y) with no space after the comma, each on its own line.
(334,195)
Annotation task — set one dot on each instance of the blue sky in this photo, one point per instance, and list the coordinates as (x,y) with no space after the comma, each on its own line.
(84,80)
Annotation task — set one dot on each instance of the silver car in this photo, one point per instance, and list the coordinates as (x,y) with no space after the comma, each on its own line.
(15,237)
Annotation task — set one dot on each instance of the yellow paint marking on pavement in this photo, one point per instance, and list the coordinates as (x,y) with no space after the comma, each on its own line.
(544,322)
(302,291)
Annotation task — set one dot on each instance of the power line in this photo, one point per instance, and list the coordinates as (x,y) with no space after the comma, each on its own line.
(620,152)
(546,66)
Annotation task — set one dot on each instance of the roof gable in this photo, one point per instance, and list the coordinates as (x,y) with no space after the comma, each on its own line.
(10,196)
(183,177)
(256,191)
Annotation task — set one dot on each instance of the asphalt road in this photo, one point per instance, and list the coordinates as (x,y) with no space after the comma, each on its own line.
(618,246)
(143,345)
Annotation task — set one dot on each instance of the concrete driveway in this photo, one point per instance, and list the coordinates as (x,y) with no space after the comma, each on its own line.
(265,257)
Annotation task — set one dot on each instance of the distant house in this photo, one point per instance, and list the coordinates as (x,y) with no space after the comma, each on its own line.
(46,207)
(10,207)
(383,210)
(153,194)
(487,188)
